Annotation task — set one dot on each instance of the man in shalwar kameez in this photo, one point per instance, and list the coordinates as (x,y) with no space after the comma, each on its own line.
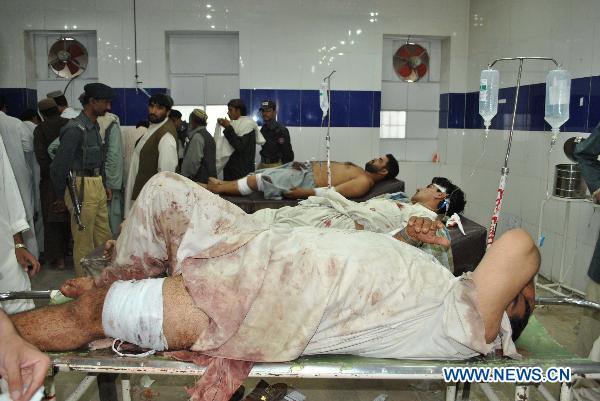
(244,292)
(110,132)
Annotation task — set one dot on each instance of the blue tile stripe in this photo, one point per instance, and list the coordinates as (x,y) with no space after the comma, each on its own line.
(461,110)
(296,108)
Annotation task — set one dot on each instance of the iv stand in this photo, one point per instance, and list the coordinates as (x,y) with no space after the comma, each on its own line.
(505,170)
(328,137)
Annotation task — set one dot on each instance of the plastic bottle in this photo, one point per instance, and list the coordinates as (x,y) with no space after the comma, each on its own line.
(558,94)
(488,96)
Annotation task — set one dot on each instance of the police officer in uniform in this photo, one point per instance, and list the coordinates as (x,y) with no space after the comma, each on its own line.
(80,152)
(277,149)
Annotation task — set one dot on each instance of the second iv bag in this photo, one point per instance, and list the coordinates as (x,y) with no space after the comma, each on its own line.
(558,93)
(488,95)
(324,98)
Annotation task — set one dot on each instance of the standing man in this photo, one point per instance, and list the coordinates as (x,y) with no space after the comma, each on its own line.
(80,152)
(63,105)
(110,132)
(200,153)
(236,144)
(15,259)
(54,212)
(277,149)
(586,153)
(155,151)
(31,119)
(12,131)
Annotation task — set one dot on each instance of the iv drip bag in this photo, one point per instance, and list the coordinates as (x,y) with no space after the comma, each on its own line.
(324,98)
(488,95)
(558,94)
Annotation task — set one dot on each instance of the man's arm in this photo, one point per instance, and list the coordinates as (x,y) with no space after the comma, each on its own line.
(167,153)
(193,157)
(21,364)
(69,142)
(287,154)
(239,143)
(586,153)
(114,159)
(354,188)
(24,257)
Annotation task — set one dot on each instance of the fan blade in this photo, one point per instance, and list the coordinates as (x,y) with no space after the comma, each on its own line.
(81,67)
(73,69)
(53,61)
(403,52)
(404,71)
(75,50)
(422,70)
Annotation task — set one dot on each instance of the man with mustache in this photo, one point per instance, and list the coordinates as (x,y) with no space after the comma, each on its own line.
(155,151)
(300,180)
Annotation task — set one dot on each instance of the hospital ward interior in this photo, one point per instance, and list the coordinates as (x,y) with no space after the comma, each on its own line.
(300,200)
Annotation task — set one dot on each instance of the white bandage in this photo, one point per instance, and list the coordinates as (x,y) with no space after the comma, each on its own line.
(440,188)
(133,311)
(259,182)
(243,186)
(320,191)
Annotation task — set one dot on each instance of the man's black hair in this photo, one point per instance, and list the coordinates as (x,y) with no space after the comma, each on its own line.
(61,101)
(518,323)
(28,115)
(454,194)
(238,104)
(162,100)
(2,102)
(392,167)
(175,114)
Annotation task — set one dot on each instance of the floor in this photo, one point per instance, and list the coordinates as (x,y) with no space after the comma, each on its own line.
(560,321)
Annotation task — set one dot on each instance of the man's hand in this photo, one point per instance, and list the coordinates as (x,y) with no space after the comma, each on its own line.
(75,287)
(298,193)
(223,122)
(108,193)
(26,259)
(424,230)
(21,364)
(58,207)
(109,249)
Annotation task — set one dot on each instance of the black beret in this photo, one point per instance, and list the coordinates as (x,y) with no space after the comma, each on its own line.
(98,90)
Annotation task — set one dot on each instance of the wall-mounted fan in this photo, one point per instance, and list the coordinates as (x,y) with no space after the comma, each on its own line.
(411,62)
(67,58)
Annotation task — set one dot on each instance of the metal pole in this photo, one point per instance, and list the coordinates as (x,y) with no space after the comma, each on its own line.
(451,392)
(488,391)
(505,170)
(328,137)
(82,387)
(521,392)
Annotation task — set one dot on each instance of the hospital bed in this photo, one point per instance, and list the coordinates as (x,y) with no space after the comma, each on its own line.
(537,347)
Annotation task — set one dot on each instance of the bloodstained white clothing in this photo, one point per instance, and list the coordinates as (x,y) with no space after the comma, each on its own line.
(12,221)
(167,158)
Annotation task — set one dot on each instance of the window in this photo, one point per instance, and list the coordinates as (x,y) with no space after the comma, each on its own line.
(213,111)
(393,124)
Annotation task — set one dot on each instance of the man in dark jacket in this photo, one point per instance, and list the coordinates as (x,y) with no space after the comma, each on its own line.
(200,153)
(54,214)
(277,149)
(241,134)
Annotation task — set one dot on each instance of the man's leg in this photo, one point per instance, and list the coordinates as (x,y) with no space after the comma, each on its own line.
(101,227)
(82,320)
(507,267)
(83,240)
(231,187)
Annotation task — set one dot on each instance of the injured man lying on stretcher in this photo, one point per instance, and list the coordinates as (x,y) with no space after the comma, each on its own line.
(241,290)
(385,214)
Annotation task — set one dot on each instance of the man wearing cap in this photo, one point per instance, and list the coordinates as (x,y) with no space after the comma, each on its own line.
(54,213)
(199,157)
(81,153)
(12,130)
(63,105)
(277,149)
(155,151)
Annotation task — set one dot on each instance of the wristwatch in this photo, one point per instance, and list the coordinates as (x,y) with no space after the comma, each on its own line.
(20,245)
(409,240)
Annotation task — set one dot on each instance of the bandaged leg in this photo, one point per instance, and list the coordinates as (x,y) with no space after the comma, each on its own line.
(243,186)
(133,312)
(75,324)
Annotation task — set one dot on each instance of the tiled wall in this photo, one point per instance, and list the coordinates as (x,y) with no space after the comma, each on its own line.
(568,31)
(280,46)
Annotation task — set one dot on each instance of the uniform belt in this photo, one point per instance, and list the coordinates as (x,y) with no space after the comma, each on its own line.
(87,172)
(264,160)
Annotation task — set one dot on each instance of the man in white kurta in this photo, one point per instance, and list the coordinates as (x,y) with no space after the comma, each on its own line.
(12,130)
(31,160)
(12,221)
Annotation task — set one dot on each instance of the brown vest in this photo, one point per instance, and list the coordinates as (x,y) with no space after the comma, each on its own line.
(148,165)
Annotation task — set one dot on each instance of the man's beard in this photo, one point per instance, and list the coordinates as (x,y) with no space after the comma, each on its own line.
(370,168)
(154,119)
